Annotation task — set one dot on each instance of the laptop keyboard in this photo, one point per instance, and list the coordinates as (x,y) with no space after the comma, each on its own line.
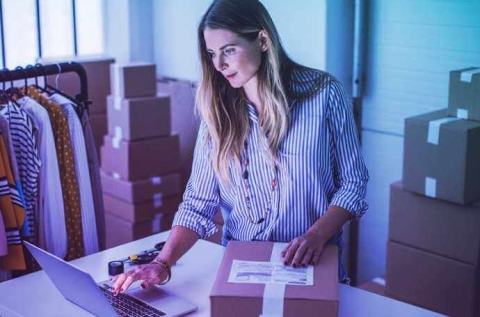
(129,306)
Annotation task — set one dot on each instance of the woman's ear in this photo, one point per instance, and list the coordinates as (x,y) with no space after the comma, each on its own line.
(263,39)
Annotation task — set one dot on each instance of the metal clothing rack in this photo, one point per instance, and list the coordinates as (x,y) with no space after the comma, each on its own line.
(40,70)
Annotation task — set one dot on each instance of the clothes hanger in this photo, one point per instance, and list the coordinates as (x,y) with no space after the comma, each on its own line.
(55,90)
(9,92)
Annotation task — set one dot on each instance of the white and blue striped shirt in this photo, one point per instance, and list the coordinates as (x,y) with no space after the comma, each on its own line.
(322,163)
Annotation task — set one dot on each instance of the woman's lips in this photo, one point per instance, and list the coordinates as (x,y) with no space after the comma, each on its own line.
(230,76)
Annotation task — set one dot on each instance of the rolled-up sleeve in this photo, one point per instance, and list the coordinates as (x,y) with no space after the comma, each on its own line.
(202,196)
(350,173)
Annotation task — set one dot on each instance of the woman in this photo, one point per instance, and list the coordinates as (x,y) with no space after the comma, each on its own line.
(277,149)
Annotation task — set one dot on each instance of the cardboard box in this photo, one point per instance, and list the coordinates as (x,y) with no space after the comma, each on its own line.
(98,75)
(441,157)
(140,160)
(98,122)
(246,299)
(143,190)
(143,211)
(133,80)
(184,121)
(120,231)
(139,118)
(464,93)
(431,281)
(436,226)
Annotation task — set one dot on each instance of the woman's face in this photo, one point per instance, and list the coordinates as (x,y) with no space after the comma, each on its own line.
(236,58)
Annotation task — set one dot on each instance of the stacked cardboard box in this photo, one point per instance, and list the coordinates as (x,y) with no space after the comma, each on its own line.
(140,157)
(433,253)
(184,121)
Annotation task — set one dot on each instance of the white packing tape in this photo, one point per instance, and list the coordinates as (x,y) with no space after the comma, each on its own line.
(156,223)
(430,187)
(117,74)
(118,132)
(157,200)
(157,180)
(434,129)
(116,142)
(117,103)
(274,294)
(467,75)
(462,113)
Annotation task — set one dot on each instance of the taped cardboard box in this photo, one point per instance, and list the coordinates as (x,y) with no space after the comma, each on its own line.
(135,192)
(441,156)
(98,122)
(120,231)
(143,211)
(184,121)
(133,80)
(140,160)
(464,93)
(433,225)
(139,118)
(254,299)
(97,68)
(431,281)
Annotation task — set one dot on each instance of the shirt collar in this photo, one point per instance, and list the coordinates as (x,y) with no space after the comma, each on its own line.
(252,111)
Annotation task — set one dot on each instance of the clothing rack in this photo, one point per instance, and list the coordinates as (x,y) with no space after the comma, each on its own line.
(40,70)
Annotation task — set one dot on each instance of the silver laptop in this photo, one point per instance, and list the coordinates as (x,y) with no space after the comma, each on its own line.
(79,287)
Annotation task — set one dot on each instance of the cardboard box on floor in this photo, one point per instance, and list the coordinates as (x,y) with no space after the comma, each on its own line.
(464,93)
(433,225)
(441,157)
(246,299)
(432,281)
(140,160)
(98,75)
(139,118)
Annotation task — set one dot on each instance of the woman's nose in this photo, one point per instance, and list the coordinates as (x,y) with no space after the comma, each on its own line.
(220,64)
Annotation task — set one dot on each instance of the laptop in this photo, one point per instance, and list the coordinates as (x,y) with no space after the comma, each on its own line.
(79,287)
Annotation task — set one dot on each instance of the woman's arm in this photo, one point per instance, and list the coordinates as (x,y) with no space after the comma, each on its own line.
(307,248)
(180,240)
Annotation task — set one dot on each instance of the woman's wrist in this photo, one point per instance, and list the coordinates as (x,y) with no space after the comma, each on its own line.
(165,266)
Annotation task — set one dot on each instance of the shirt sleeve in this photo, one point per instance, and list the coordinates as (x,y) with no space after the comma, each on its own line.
(202,195)
(350,173)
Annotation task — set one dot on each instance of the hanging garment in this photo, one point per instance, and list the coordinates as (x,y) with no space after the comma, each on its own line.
(89,225)
(13,215)
(52,232)
(7,139)
(94,167)
(3,238)
(71,196)
(26,152)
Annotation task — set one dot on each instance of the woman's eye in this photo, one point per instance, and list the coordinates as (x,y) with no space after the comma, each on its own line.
(211,55)
(229,51)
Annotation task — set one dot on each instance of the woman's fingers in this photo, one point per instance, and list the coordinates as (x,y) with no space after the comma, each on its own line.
(297,259)
(316,257)
(307,257)
(290,253)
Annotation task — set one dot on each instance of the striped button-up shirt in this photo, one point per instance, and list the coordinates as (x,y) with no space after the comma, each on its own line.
(322,165)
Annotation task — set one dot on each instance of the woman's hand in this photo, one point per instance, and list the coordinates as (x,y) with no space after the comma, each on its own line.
(303,250)
(151,274)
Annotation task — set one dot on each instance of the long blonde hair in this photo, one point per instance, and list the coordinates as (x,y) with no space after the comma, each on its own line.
(222,107)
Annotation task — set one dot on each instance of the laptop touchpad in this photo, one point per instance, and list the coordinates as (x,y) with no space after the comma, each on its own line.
(153,295)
